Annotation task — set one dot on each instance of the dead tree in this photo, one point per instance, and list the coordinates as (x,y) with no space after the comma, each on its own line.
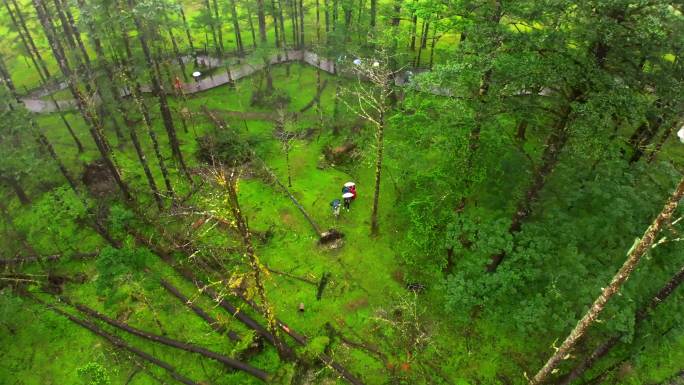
(373,104)
(638,250)
(641,315)
(229,183)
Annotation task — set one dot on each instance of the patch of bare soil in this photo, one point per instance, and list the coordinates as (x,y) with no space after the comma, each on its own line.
(98,179)
(340,154)
(331,239)
(286,218)
(357,304)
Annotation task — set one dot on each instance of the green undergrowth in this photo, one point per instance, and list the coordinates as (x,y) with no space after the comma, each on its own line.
(367,280)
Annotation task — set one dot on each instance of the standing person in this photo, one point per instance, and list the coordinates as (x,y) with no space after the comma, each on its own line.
(347,199)
(350,187)
(336,206)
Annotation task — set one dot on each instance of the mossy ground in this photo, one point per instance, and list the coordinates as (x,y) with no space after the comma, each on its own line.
(366,274)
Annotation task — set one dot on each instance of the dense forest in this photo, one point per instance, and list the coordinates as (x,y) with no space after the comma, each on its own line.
(179,198)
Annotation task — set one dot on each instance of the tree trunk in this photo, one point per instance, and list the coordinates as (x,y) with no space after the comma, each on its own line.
(212,28)
(211,321)
(334,14)
(638,250)
(274,15)
(251,27)
(219,28)
(326,14)
(302,43)
(42,140)
(380,134)
(187,30)
(641,315)
(51,150)
(29,37)
(362,8)
(474,139)
(424,37)
(261,17)
(336,103)
(287,162)
(269,78)
(241,315)
(396,17)
(85,64)
(146,168)
(663,138)
(432,47)
(62,116)
(68,32)
(158,90)
(645,133)
(347,9)
(521,130)
(284,351)
(234,364)
(33,55)
(102,57)
(295,28)
(282,23)
(373,12)
(236,28)
(176,51)
(552,151)
(18,190)
(318,21)
(555,143)
(91,120)
(118,342)
(140,103)
(414,30)
(416,62)
(6,79)
(74,30)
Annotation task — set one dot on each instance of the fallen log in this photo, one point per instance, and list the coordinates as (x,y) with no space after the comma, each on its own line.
(203,287)
(53,257)
(286,274)
(230,362)
(303,340)
(641,314)
(211,321)
(248,321)
(118,342)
